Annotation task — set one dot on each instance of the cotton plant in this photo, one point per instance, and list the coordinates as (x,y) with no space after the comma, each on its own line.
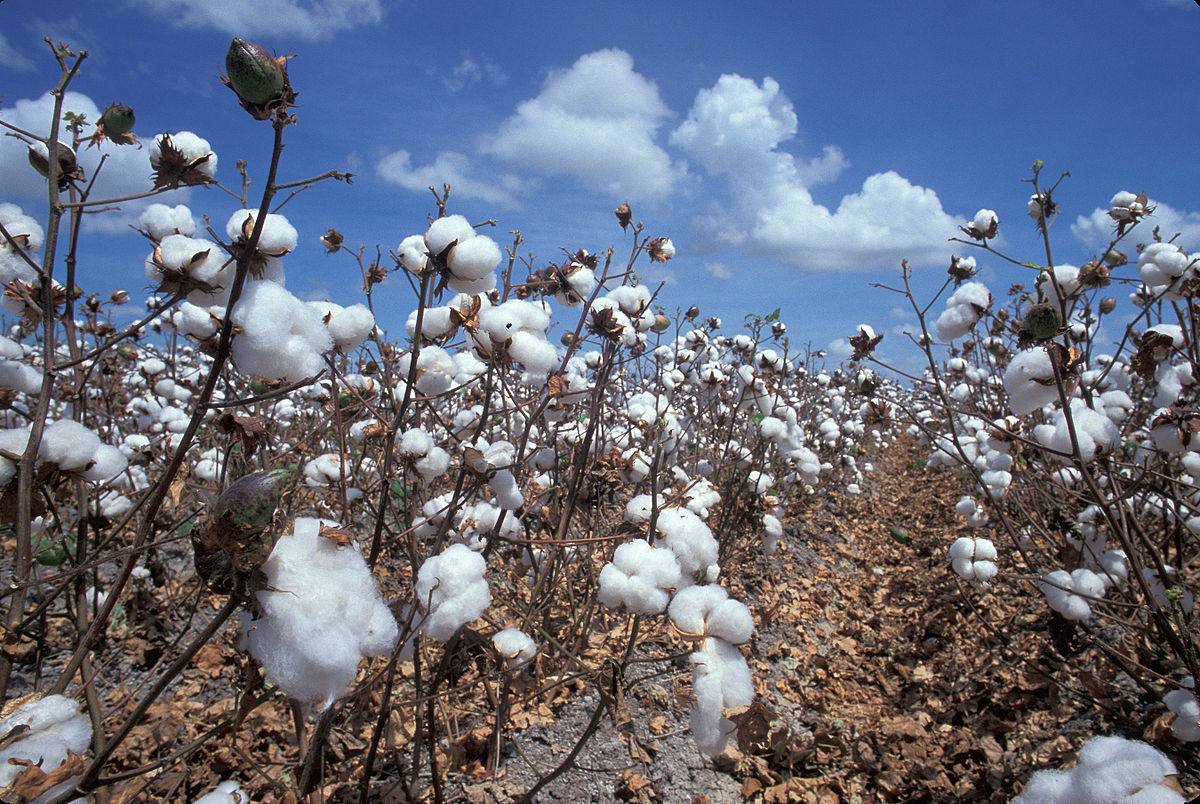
(318,615)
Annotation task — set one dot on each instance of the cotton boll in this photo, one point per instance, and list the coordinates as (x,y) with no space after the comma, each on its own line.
(689,538)
(452,589)
(160,220)
(68,445)
(447,230)
(508,494)
(639,577)
(474,258)
(721,679)
(709,611)
(1029,381)
(278,236)
(53,727)
(515,646)
(281,337)
(107,462)
(320,613)
(195,151)
(1111,770)
(227,792)
(349,326)
(413,253)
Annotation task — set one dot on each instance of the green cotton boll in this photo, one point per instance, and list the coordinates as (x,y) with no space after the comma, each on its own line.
(254,73)
(1042,322)
(250,501)
(117,119)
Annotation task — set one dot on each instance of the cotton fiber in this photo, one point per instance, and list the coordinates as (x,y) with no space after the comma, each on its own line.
(452,590)
(639,577)
(1111,770)
(55,727)
(319,614)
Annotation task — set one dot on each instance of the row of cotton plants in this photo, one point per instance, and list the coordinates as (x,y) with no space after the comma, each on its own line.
(531,461)
(1068,408)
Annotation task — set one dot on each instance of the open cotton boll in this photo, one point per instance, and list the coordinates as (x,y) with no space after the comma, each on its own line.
(20,377)
(413,253)
(1187,711)
(193,149)
(319,614)
(508,494)
(689,538)
(107,462)
(55,728)
(68,445)
(1071,594)
(1029,381)
(639,577)
(1111,770)
(974,559)
(227,792)
(160,220)
(515,646)
(452,589)
(709,611)
(23,229)
(281,337)
(963,309)
(349,326)
(1161,265)
(720,679)
(447,230)
(474,258)
(278,236)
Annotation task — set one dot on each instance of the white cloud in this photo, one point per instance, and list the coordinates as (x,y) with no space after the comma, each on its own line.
(838,350)
(1097,230)
(308,19)
(735,129)
(452,168)
(126,170)
(595,121)
(475,70)
(9,57)
(719,270)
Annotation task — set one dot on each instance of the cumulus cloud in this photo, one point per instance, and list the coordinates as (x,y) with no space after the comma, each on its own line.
(595,121)
(1097,230)
(307,19)
(450,167)
(11,58)
(126,171)
(735,130)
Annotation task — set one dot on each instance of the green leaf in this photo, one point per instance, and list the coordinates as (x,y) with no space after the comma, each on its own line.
(899,535)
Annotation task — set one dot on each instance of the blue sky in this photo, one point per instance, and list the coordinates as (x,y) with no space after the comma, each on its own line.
(794,156)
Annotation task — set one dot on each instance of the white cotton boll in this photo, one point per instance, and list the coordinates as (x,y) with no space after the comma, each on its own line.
(473,287)
(1187,711)
(709,611)
(53,727)
(415,442)
(537,355)
(985,223)
(20,377)
(160,220)
(278,236)
(639,577)
(68,445)
(965,507)
(192,147)
(689,538)
(107,463)
(24,229)
(227,792)
(474,258)
(1111,770)
(508,494)
(447,230)
(1029,381)
(452,588)
(721,679)
(413,253)
(321,612)
(1160,264)
(282,337)
(348,326)
(515,646)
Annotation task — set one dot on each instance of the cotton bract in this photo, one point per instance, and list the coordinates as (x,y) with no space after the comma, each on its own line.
(319,615)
